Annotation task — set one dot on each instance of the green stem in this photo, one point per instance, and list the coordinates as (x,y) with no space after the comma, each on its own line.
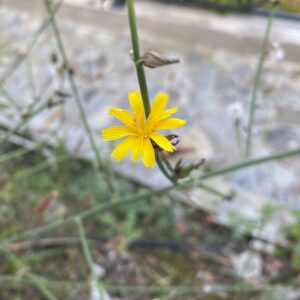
(238,137)
(31,111)
(101,165)
(91,211)
(84,244)
(263,52)
(249,163)
(136,57)
(212,190)
(39,167)
(134,198)
(10,99)
(35,280)
(160,164)
(7,281)
(141,75)
(22,56)
(87,254)
(20,152)
(41,286)
(23,122)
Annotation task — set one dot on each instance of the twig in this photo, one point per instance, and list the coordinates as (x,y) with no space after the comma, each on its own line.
(24,120)
(214,191)
(160,164)
(262,55)
(249,163)
(101,165)
(180,289)
(39,167)
(31,111)
(31,79)
(11,100)
(35,280)
(22,56)
(89,212)
(20,152)
(88,255)
(147,195)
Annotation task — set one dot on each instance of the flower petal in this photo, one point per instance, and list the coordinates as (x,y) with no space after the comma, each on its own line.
(169,123)
(137,148)
(166,113)
(154,119)
(123,115)
(162,141)
(148,154)
(123,148)
(136,103)
(116,132)
(159,103)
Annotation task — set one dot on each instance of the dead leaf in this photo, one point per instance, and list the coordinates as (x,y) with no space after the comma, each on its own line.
(45,203)
(4,180)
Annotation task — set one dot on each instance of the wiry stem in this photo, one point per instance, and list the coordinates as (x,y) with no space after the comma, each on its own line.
(23,122)
(7,281)
(87,254)
(22,56)
(91,211)
(136,57)
(147,195)
(101,165)
(141,75)
(249,163)
(263,52)
(39,167)
(32,278)
(160,164)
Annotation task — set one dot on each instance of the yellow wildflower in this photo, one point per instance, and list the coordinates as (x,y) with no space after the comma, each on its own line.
(140,132)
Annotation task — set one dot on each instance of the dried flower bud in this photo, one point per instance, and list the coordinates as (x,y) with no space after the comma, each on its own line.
(58,98)
(53,58)
(180,171)
(153,60)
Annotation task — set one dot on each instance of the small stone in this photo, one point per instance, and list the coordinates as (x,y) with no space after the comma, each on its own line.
(248,265)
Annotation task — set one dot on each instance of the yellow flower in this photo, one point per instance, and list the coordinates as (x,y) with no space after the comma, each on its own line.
(139,132)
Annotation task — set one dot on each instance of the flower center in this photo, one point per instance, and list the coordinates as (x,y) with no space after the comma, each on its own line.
(143,131)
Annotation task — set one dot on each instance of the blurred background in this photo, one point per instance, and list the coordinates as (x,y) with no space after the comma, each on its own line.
(75,224)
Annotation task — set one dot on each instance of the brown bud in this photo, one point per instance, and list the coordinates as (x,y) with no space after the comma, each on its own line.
(153,60)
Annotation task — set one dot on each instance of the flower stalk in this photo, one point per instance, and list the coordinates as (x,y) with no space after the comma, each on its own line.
(141,75)
(136,57)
